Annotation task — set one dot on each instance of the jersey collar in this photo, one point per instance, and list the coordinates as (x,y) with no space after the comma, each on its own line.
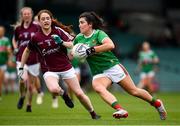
(90,34)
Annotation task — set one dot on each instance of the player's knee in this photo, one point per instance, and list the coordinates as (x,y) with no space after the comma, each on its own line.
(98,89)
(134,92)
(79,95)
(54,90)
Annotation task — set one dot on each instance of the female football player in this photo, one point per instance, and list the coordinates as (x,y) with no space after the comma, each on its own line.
(24,30)
(5,52)
(105,66)
(146,63)
(51,43)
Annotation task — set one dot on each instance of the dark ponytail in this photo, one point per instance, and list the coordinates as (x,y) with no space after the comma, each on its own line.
(92,17)
(68,28)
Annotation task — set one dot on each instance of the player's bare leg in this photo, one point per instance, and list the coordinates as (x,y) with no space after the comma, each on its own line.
(73,83)
(128,85)
(54,88)
(100,85)
(30,81)
(23,90)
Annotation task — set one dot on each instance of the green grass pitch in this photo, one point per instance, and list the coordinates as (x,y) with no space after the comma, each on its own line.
(140,112)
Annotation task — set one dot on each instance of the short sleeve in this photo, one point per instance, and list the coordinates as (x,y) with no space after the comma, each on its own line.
(101,36)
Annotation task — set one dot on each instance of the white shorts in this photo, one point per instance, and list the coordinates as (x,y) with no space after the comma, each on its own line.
(3,67)
(64,75)
(32,69)
(149,74)
(115,73)
(11,75)
(77,70)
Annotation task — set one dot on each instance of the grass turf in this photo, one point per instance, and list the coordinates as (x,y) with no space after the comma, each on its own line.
(140,112)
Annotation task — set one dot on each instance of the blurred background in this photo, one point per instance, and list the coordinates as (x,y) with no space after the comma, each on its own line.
(129,23)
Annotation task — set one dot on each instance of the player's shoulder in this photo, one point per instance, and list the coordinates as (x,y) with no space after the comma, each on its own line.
(59,29)
(39,33)
(99,32)
(36,24)
(80,35)
(18,28)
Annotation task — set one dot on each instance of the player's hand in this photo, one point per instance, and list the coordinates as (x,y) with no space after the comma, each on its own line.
(90,51)
(20,72)
(57,39)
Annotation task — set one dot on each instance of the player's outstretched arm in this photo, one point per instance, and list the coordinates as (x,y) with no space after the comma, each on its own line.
(59,41)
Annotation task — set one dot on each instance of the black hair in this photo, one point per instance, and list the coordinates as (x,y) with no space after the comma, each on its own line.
(94,19)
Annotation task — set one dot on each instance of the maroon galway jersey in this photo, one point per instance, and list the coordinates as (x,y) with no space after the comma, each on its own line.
(23,36)
(53,57)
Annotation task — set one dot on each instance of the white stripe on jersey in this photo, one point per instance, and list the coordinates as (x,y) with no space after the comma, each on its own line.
(66,33)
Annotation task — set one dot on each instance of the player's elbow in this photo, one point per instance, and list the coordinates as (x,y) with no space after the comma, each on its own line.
(111,46)
(109,43)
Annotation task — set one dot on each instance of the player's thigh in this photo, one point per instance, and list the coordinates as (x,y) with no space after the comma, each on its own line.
(51,80)
(128,85)
(101,83)
(74,85)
